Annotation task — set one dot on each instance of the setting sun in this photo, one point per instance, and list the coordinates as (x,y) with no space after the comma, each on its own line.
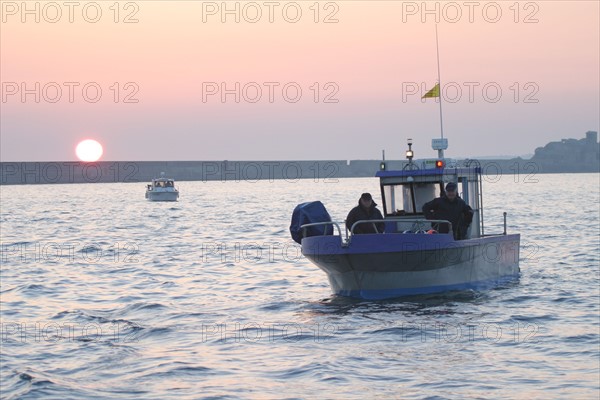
(89,150)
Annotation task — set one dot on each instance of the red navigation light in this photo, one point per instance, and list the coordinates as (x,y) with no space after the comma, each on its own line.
(439,164)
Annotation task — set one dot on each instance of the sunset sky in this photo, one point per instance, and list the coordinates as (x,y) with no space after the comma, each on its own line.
(161,67)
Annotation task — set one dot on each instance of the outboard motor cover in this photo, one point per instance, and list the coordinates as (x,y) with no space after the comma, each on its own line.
(308,213)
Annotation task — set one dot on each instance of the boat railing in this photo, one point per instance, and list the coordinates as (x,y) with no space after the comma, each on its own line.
(306,226)
(504,226)
(418,224)
(367,221)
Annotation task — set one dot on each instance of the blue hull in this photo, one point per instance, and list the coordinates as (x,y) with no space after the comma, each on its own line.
(401,292)
(393,265)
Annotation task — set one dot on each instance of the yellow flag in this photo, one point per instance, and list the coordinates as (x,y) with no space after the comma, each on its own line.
(435,92)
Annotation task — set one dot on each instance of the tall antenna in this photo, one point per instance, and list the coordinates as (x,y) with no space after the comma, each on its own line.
(439,144)
(437,48)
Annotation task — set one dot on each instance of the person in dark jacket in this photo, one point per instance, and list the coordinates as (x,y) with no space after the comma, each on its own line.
(450,207)
(365,211)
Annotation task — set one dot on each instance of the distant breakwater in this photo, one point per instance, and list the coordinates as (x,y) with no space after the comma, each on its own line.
(15,173)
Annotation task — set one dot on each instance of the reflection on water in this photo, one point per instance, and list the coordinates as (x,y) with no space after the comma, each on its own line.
(105,294)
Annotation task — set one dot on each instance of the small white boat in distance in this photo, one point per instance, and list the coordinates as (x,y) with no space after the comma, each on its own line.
(162,189)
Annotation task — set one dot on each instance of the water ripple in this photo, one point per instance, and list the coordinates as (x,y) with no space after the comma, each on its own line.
(201,299)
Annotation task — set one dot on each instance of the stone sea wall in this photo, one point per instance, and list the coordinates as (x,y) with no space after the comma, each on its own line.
(14,173)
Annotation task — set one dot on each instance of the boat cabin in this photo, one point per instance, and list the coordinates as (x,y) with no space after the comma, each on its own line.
(161,183)
(405,192)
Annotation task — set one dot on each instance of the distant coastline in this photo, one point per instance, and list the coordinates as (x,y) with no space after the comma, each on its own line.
(567,156)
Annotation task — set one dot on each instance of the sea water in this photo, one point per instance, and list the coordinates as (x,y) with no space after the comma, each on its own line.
(107,295)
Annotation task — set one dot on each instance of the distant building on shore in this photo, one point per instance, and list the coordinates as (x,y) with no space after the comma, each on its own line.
(570,155)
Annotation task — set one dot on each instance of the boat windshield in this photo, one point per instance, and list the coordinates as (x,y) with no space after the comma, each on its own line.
(408,198)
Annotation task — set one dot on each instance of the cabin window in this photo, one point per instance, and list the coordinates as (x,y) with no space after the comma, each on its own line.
(424,192)
(407,198)
(393,199)
(471,198)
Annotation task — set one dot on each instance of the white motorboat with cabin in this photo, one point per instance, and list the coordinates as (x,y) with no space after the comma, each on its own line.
(410,257)
(162,189)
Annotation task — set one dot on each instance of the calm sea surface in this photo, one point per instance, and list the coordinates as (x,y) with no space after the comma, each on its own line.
(107,295)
